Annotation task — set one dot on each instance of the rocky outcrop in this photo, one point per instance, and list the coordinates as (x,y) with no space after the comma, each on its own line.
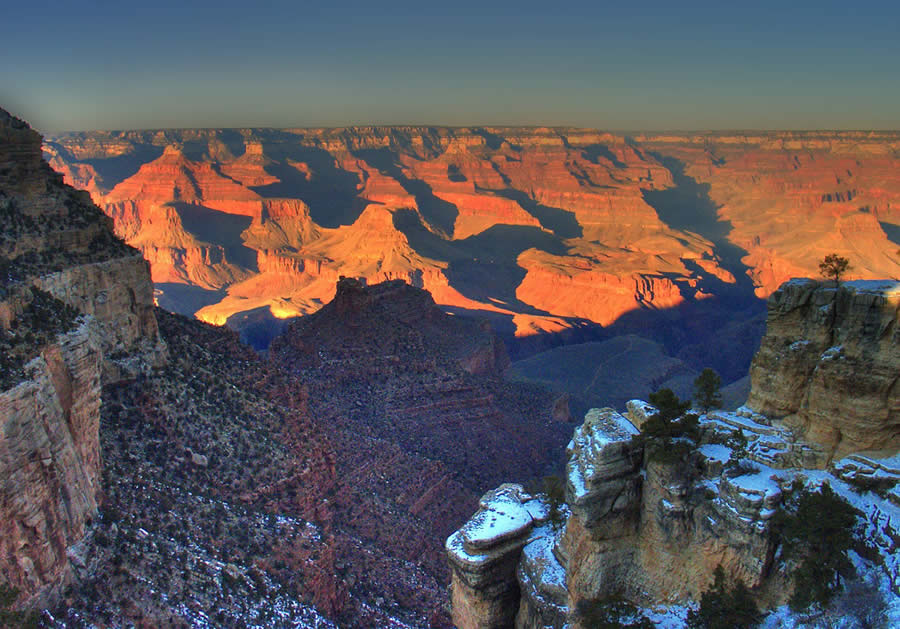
(484,557)
(49,462)
(76,310)
(651,520)
(646,527)
(118,294)
(828,364)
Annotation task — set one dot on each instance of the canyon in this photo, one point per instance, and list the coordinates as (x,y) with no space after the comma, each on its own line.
(314,483)
(311,487)
(556,235)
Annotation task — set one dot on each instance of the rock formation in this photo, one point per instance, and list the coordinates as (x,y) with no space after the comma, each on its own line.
(76,310)
(650,521)
(50,461)
(646,528)
(828,364)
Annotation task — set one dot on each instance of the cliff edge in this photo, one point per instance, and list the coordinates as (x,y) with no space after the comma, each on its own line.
(76,310)
(828,364)
(649,516)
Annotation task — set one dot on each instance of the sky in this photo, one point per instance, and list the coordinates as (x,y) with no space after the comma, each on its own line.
(611,65)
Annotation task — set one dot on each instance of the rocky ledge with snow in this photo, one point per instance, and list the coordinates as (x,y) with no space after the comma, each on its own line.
(654,531)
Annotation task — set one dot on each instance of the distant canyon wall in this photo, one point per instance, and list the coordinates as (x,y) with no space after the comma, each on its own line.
(546,228)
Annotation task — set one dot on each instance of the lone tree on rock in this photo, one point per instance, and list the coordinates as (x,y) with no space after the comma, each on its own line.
(706,390)
(834,266)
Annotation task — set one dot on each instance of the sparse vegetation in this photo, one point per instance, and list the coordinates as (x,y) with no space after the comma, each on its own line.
(879,485)
(737,442)
(10,618)
(611,613)
(706,390)
(671,434)
(555,490)
(40,322)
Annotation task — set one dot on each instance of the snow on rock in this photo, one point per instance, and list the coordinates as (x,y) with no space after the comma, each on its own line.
(506,514)
(501,517)
(603,469)
(878,287)
(639,411)
(716,452)
(542,581)
(595,446)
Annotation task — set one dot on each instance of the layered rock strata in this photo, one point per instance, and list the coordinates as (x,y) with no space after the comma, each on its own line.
(828,364)
(579,224)
(646,529)
(59,259)
(484,557)
(49,462)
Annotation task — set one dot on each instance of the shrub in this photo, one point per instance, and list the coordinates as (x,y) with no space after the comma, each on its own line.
(879,485)
(10,618)
(815,529)
(555,490)
(722,607)
(611,613)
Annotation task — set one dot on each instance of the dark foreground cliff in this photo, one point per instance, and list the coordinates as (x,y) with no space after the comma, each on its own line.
(76,310)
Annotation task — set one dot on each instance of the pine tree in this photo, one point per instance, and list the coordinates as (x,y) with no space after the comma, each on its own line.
(668,404)
(671,422)
(834,266)
(706,390)
(816,531)
(722,607)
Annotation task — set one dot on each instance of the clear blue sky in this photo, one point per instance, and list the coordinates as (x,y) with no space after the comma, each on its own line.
(68,65)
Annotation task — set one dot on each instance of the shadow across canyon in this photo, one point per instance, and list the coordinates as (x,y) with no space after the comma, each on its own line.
(688,207)
(892,231)
(561,222)
(329,191)
(219,228)
(438,213)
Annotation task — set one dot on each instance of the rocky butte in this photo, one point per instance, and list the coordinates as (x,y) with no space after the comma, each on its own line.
(76,312)
(651,525)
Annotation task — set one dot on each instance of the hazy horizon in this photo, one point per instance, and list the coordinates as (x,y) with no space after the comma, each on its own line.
(660,67)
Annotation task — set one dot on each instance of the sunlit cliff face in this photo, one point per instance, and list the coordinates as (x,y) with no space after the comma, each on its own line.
(542,227)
